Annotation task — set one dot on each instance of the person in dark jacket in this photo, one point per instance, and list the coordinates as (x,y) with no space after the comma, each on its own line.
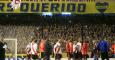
(2,50)
(48,50)
(103,47)
(94,53)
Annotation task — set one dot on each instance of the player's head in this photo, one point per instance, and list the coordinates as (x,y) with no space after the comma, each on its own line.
(42,39)
(74,42)
(114,42)
(1,39)
(35,41)
(79,39)
(85,41)
(94,41)
(59,40)
(69,39)
(5,43)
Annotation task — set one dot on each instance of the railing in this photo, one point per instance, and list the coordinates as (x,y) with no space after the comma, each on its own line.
(18,55)
(25,55)
(64,0)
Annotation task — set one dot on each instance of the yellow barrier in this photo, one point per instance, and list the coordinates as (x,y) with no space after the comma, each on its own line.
(25,55)
(18,55)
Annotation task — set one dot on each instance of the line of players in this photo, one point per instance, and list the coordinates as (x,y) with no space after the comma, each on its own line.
(75,49)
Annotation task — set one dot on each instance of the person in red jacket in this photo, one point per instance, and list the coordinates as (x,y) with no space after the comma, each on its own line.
(69,49)
(113,49)
(84,49)
(42,48)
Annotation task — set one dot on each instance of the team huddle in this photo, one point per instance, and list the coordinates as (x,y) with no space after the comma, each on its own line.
(76,50)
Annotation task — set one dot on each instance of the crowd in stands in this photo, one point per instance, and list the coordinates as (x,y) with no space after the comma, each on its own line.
(24,33)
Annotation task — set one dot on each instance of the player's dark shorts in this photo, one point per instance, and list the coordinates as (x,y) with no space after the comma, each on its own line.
(77,55)
(29,56)
(58,56)
(2,56)
(42,54)
(34,56)
(113,55)
(85,55)
(104,55)
(70,55)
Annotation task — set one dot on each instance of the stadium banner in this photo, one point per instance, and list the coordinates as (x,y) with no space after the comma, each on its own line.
(59,7)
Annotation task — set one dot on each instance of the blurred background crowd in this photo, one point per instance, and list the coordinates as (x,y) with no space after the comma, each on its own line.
(24,33)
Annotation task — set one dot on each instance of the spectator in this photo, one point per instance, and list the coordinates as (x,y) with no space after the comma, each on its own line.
(113,49)
(48,50)
(69,49)
(28,51)
(94,53)
(84,49)
(74,51)
(34,48)
(42,48)
(2,50)
(103,47)
(79,45)
(58,50)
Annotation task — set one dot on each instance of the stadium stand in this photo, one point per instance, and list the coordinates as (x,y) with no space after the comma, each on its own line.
(24,33)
